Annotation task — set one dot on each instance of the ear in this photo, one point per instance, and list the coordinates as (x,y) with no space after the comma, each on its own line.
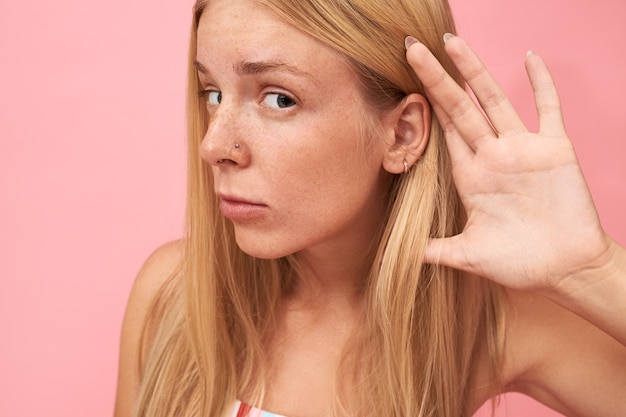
(407,129)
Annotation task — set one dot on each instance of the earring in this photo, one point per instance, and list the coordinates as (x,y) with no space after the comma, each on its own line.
(406,167)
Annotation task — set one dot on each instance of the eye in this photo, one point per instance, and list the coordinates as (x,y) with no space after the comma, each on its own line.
(212,97)
(278,101)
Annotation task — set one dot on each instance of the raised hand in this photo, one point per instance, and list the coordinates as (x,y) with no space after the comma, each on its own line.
(531,220)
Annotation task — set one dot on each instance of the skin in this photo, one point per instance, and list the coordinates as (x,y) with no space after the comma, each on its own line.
(317,197)
(566,279)
(280,189)
(575,263)
(294,108)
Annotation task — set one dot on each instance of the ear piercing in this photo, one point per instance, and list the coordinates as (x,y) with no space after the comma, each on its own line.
(406,167)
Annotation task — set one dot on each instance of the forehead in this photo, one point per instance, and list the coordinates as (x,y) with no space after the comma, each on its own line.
(244,30)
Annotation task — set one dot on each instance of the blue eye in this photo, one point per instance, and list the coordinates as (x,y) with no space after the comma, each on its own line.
(278,101)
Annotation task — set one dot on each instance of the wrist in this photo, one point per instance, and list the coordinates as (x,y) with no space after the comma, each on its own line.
(603,264)
(597,291)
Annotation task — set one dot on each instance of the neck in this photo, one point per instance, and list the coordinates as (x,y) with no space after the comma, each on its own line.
(331,277)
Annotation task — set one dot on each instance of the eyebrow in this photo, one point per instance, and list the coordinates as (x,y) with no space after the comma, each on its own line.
(244,68)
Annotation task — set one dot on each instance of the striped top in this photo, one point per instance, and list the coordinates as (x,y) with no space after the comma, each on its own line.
(244,410)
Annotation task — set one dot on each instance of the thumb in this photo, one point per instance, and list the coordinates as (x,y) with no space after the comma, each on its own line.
(449,251)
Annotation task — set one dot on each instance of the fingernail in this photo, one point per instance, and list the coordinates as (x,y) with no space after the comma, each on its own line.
(447,36)
(409,40)
(529,53)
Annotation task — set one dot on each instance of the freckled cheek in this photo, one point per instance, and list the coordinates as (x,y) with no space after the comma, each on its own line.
(304,177)
(304,158)
(329,173)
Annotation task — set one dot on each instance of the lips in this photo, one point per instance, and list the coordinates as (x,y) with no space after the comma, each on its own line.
(236,208)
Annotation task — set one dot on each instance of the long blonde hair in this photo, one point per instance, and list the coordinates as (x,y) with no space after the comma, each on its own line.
(423,326)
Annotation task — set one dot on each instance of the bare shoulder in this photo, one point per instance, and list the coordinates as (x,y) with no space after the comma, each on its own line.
(155,270)
(562,360)
(151,277)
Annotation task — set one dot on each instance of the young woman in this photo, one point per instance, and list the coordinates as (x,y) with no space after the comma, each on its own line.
(363,239)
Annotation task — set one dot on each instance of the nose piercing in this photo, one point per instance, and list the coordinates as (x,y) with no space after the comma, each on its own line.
(237,146)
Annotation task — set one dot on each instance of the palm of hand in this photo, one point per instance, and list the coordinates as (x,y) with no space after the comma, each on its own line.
(531,220)
(529,212)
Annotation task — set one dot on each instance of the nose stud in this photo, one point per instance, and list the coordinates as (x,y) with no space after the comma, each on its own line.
(237,146)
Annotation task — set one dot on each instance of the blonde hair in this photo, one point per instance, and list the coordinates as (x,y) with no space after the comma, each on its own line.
(423,326)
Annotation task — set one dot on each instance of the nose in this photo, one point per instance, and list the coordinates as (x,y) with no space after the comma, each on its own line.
(223,145)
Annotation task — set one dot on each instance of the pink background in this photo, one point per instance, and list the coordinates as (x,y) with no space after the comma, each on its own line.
(92,164)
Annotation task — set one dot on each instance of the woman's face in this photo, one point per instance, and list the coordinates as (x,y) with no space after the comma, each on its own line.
(284,136)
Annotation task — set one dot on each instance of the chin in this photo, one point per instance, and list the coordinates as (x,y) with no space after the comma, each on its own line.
(259,248)
(260,254)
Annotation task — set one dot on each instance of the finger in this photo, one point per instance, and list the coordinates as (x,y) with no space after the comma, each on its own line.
(546,97)
(490,95)
(458,149)
(453,100)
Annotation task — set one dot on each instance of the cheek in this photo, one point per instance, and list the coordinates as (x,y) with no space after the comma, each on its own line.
(330,159)
(336,136)
(333,174)
(321,151)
